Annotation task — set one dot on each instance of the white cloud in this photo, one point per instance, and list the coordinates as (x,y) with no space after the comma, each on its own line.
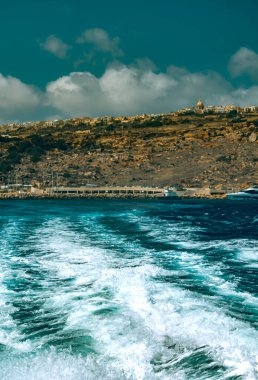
(131,90)
(244,61)
(241,96)
(121,90)
(16,98)
(101,41)
(77,94)
(55,46)
(190,87)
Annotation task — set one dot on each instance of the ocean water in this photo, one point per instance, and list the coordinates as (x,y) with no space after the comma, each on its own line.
(128,290)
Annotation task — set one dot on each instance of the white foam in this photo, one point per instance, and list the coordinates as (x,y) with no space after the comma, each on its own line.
(247,252)
(210,275)
(10,335)
(147,313)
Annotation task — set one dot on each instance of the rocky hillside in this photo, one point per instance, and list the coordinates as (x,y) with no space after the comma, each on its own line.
(216,150)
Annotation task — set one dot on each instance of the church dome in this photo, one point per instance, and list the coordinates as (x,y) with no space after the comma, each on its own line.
(200,105)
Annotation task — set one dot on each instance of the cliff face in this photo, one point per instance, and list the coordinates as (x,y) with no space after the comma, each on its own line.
(215,150)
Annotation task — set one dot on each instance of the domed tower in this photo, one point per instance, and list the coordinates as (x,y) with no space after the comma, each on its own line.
(200,105)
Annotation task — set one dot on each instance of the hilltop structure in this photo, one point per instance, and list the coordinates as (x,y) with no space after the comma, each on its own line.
(216,109)
(200,105)
(154,119)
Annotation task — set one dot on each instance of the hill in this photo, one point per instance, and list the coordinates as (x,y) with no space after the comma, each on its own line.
(156,150)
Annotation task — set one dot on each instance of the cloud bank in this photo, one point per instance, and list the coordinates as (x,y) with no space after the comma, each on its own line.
(132,90)
(121,90)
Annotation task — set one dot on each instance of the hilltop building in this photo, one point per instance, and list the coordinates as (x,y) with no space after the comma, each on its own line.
(250,109)
(200,105)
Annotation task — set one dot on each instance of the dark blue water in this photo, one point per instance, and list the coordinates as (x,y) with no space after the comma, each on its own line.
(128,290)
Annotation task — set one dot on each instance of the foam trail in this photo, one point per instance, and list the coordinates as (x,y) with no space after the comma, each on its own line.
(191,255)
(104,300)
(10,334)
(132,292)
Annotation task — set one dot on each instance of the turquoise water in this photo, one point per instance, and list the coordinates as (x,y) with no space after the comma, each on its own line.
(128,290)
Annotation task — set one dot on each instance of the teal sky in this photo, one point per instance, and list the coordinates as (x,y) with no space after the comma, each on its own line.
(200,36)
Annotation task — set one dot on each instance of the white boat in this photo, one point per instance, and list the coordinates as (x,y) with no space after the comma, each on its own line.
(250,193)
(170,193)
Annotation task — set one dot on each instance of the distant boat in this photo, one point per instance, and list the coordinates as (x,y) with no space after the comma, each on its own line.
(170,193)
(250,193)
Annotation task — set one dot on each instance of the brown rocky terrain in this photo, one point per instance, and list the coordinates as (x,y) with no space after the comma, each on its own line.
(166,150)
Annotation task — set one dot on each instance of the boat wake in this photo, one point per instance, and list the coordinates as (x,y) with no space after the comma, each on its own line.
(125,294)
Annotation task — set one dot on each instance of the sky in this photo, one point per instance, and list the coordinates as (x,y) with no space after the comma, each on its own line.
(64,58)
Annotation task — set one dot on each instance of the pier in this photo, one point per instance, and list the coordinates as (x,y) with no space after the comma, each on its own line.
(116,191)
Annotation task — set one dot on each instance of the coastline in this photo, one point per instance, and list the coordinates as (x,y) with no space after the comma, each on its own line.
(104,196)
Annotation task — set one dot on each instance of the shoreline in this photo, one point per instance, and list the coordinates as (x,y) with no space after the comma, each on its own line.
(10,196)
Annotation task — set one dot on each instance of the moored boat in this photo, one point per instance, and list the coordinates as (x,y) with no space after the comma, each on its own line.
(250,193)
